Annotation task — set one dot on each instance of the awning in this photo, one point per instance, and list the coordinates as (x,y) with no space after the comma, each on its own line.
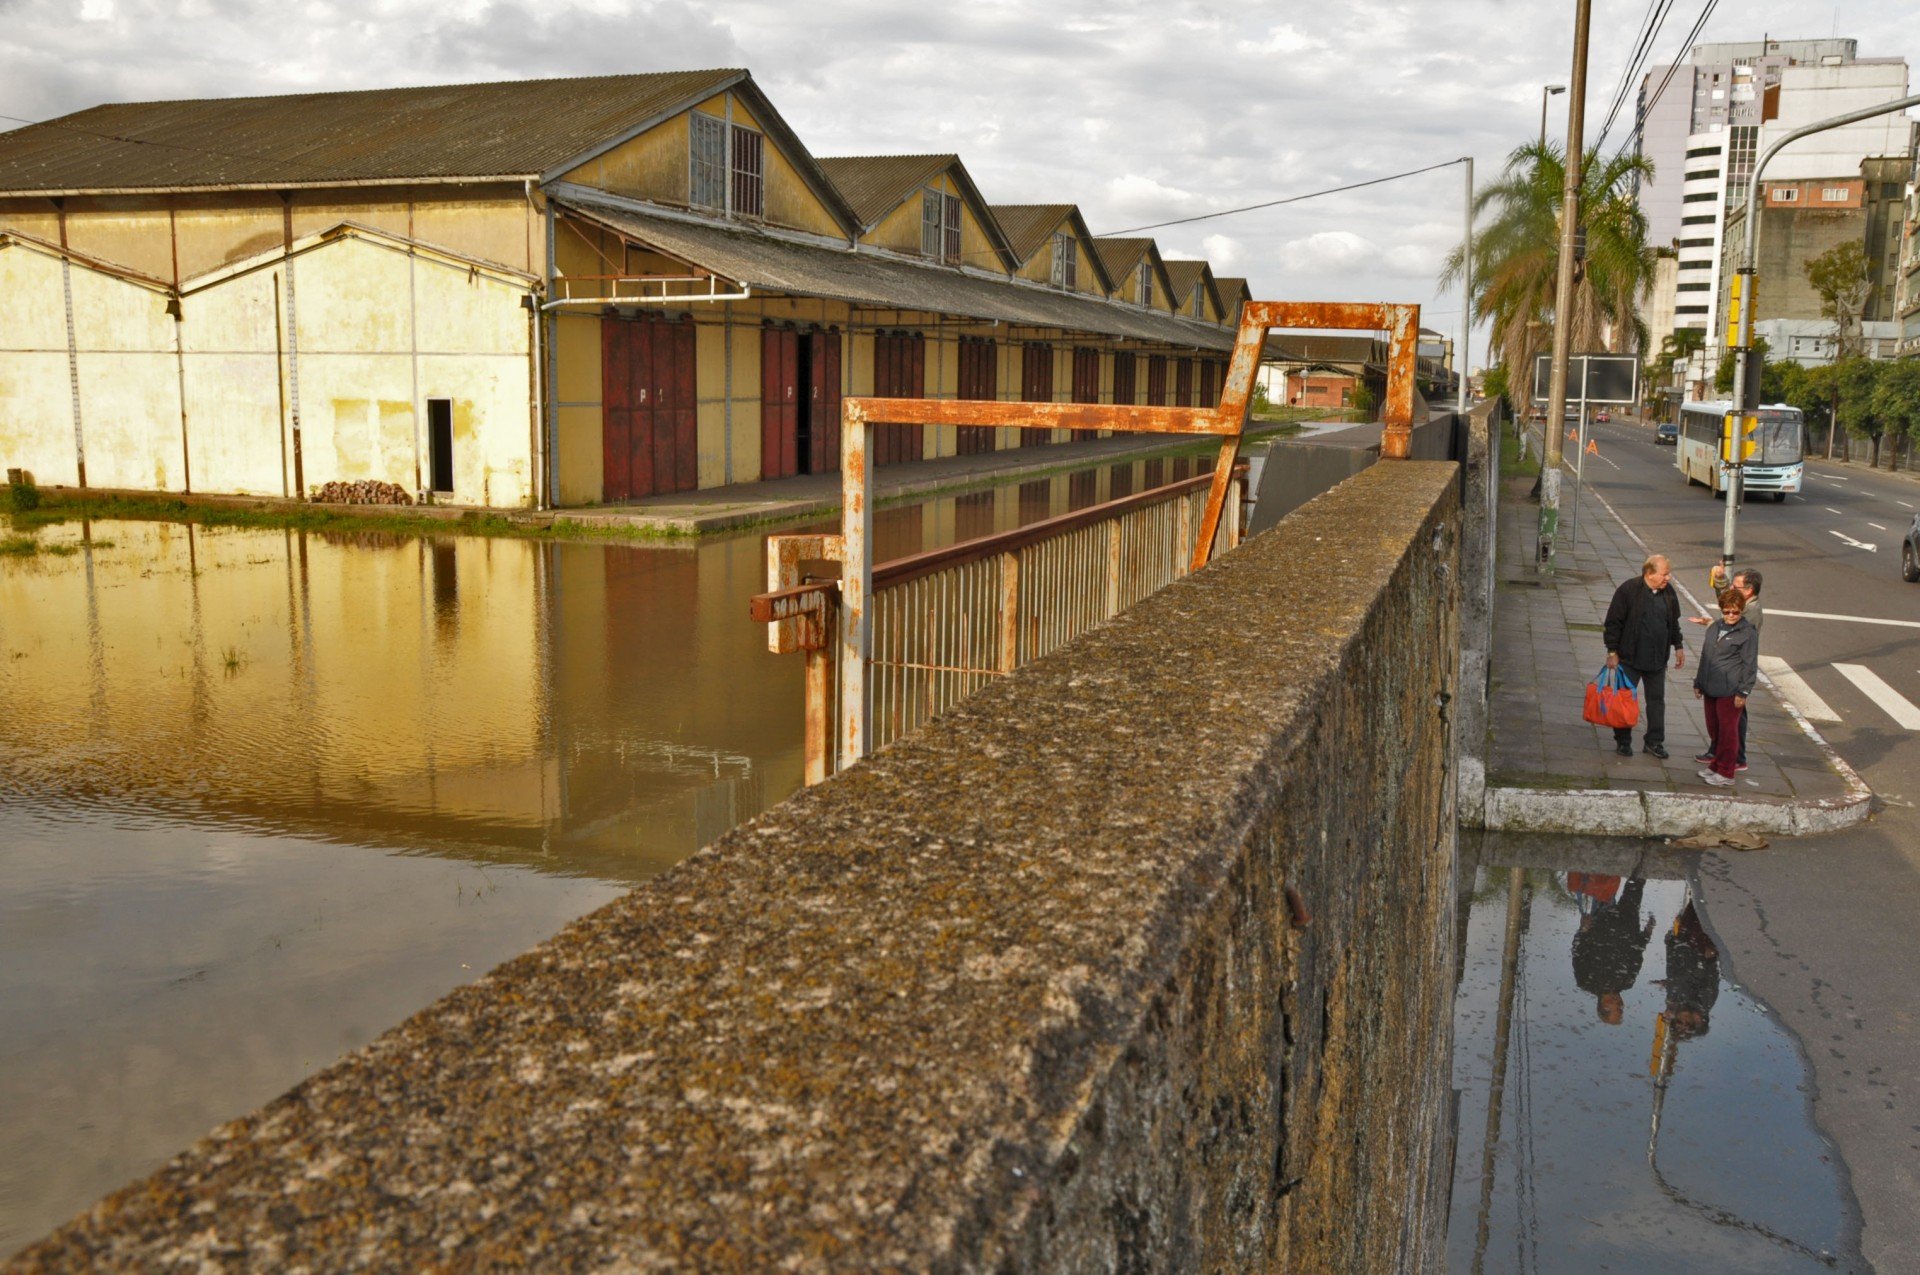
(777,265)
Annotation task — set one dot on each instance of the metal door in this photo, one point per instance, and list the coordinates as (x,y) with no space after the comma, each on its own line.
(823,391)
(779,402)
(1086,384)
(1036,385)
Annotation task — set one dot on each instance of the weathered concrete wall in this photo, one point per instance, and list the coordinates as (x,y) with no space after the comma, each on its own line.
(1139,960)
(1480,503)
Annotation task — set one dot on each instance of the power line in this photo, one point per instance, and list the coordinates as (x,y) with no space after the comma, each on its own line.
(1275,203)
(1648,35)
(1685,45)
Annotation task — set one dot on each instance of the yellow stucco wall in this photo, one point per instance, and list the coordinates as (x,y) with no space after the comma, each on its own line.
(899,230)
(1039,267)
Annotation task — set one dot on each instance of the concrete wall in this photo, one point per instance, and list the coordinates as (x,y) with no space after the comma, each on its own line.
(1139,960)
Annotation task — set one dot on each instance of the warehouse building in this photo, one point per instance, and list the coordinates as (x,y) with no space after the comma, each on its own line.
(536,293)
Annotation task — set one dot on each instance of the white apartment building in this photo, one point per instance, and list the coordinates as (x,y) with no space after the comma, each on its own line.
(1702,222)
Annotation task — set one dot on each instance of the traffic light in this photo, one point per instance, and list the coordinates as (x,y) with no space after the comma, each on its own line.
(1734,289)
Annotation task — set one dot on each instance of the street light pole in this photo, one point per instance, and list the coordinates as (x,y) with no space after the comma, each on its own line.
(1546,91)
(1466,290)
(1747,397)
(1563,293)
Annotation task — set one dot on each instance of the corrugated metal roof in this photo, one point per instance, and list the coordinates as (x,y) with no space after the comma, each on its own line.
(874,185)
(1029,226)
(1183,275)
(512,128)
(773,264)
(1120,256)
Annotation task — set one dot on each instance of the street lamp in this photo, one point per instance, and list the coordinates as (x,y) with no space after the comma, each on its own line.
(1547,91)
(1746,386)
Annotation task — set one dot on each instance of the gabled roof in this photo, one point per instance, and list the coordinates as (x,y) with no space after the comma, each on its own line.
(785,264)
(875,185)
(1234,293)
(1028,227)
(516,128)
(1120,256)
(1182,275)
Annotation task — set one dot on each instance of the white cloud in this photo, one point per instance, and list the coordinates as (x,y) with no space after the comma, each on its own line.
(1222,250)
(1328,252)
(1282,39)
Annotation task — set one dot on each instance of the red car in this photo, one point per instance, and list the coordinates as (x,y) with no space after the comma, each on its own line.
(1603,416)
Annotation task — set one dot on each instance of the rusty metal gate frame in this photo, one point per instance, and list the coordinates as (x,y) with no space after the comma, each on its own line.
(831,621)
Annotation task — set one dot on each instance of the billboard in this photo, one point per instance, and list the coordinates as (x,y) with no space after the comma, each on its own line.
(1597,378)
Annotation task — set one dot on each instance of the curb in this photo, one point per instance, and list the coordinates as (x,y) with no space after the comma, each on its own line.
(1610,812)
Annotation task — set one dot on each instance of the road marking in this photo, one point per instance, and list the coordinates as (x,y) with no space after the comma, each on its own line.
(1853,619)
(1892,702)
(1876,526)
(1858,544)
(1794,689)
(1903,504)
(1830,509)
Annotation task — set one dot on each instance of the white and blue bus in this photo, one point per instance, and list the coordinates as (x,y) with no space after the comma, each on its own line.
(1777,465)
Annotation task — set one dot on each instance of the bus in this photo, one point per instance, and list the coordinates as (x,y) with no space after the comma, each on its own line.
(1776,466)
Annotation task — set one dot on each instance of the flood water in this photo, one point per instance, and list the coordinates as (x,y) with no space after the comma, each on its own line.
(1649,1114)
(265,793)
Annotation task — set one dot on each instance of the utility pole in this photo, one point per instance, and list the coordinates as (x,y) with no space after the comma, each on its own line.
(1563,293)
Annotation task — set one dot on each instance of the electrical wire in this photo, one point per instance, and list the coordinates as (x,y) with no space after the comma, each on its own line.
(1649,34)
(1275,203)
(1633,138)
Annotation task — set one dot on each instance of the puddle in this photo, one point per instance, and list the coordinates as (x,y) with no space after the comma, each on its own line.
(1623,1104)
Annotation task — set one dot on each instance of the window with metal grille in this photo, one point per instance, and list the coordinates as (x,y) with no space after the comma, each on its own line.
(951,229)
(1143,294)
(1066,260)
(707,146)
(749,182)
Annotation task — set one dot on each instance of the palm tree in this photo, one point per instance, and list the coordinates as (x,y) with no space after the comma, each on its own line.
(1517,255)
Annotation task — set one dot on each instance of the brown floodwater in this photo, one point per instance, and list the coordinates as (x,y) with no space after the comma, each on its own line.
(265,793)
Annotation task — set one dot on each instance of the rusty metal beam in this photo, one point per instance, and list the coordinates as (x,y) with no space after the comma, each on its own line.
(1401,323)
(788,604)
(997,415)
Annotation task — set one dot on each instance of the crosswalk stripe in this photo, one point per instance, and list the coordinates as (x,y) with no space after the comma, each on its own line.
(1892,702)
(1852,619)
(1794,689)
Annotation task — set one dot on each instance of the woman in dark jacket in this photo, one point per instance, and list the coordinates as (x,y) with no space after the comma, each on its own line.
(1729,662)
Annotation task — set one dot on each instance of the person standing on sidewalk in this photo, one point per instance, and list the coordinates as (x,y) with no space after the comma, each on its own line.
(1748,582)
(1643,624)
(1729,662)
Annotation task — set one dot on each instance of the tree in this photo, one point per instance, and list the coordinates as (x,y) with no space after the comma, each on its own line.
(1495,382)
(1517,256)
(1896,403)
(1855,380)
(1771,385)
(1841,278)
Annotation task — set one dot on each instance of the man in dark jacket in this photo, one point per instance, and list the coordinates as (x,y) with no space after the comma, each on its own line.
(1643,625)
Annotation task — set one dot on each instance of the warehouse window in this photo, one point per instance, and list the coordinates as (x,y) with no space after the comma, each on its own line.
(1143,294)
(940,225)
(727,166)
(1834,194)
(1066,260)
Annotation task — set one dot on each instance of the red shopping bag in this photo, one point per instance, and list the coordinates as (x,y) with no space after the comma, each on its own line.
(1612,700)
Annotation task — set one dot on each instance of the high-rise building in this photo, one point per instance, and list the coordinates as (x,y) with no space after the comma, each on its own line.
(1705,121)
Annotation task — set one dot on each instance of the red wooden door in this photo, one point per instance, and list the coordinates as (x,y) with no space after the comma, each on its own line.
(1036,385)
(823,390)
(1209,383)
(1125,390)
(1086,384)
(616,410)
(673,430)
(779,402)
(1156,380)
(1183,383)
(979,381)
(899,371)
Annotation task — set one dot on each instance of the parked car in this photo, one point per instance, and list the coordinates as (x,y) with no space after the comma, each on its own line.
(1910,553)
(1667,432)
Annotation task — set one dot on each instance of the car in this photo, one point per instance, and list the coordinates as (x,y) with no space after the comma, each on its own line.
(1603,416)
(1667,432)
(1910,553)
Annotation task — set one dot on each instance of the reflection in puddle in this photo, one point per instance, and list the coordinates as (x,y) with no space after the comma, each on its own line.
(264,793)
(1623,1105)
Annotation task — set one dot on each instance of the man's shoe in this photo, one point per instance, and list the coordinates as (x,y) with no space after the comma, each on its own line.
(1716,780)
(1656,750)
(1739,766)
(1705,759)
(1625,750)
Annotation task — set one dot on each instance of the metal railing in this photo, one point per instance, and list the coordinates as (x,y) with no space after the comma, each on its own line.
(835,621)
(947,622)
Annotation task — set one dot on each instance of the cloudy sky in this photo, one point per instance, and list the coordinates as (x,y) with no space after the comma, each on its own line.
(1138,111)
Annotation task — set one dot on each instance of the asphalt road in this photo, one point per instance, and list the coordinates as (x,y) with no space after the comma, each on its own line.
(1827,929)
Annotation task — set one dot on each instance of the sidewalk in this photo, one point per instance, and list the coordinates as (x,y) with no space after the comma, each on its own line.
(816,495)
(1550,771)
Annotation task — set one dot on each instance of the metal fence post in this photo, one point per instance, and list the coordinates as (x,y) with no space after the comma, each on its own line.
(856,582)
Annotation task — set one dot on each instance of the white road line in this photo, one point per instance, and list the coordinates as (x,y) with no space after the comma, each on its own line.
(1903,504)
(1876,526)
(1794,689)
(1858,544)
(1895,705)
(1830,509)
(1854,619)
